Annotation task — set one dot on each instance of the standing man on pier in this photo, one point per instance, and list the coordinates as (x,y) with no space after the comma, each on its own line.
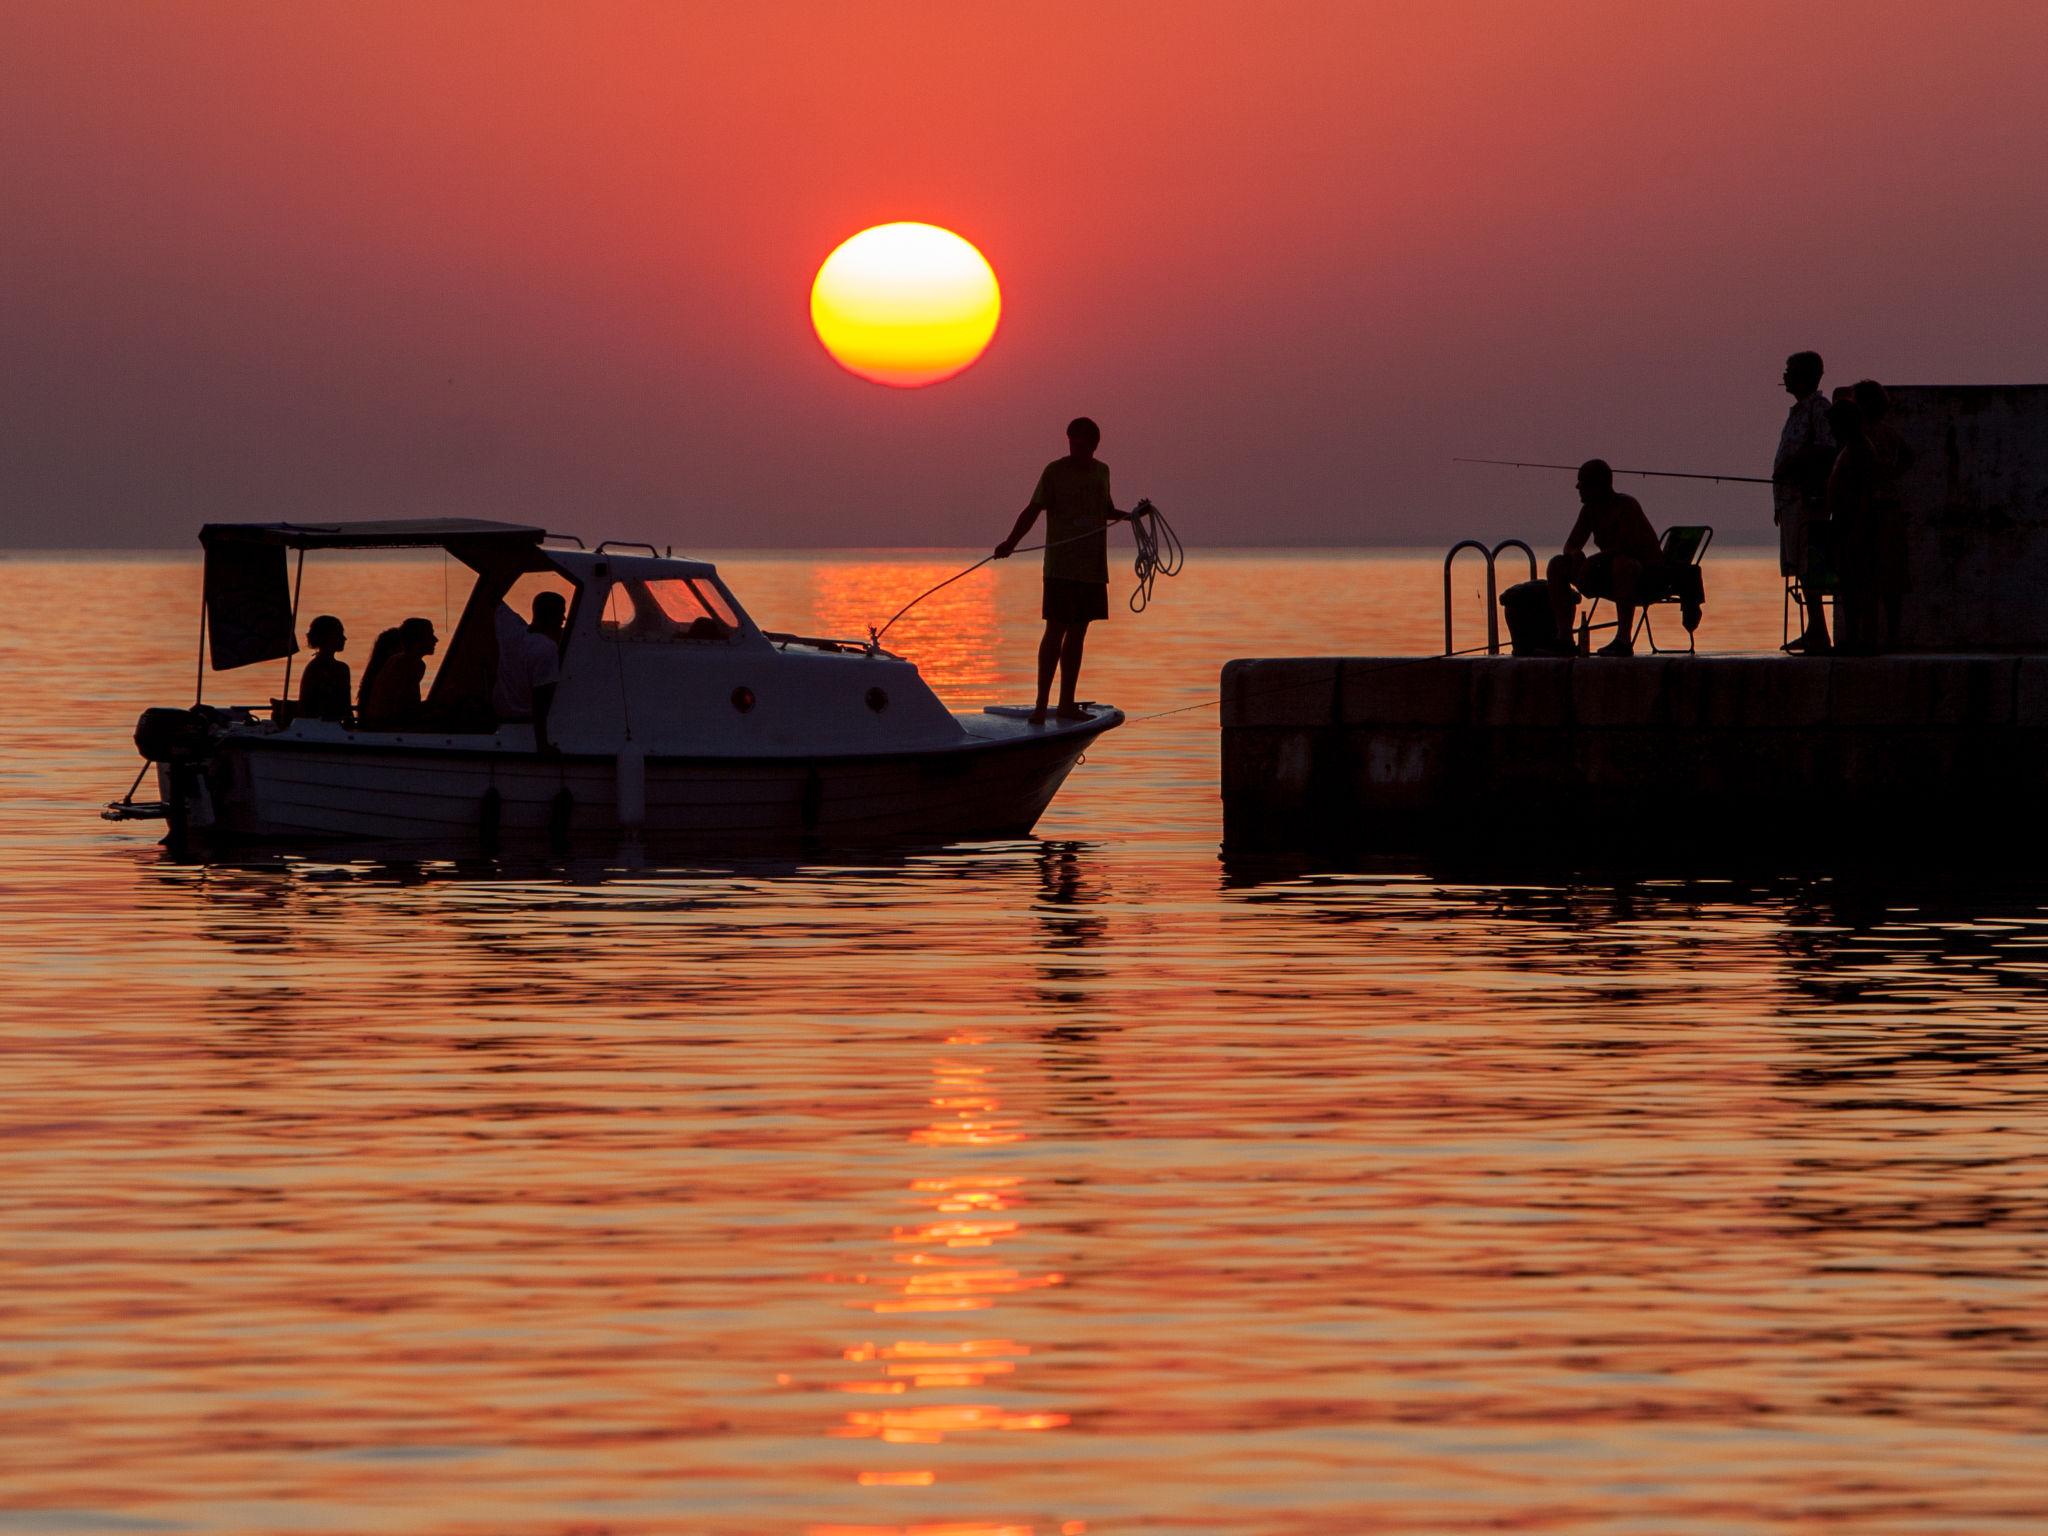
(1799,475)
(1073,493)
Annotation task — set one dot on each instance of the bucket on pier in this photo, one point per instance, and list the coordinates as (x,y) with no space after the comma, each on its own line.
(1532,622)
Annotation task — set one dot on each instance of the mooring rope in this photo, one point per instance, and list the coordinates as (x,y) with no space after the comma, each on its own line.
(1160,553)
(1315,682)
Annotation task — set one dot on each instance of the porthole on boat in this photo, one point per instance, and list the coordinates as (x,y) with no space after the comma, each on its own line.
(877,700)
(743,698)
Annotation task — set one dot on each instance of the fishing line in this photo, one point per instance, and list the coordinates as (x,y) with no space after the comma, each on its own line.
(1160,553)
(1658,474)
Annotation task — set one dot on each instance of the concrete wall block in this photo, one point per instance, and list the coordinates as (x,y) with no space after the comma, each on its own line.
(2030,692)
(1515,758)
(1781,691)
(1908,691)
(1632,761)
(1285,691)
(1268,768)
(1736,692)
(1608,691)
(1975,500)
(1777,767)
(1379,691)
(1522,690)
(1400,771)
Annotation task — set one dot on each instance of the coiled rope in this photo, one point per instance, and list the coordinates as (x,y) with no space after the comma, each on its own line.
(1160,553)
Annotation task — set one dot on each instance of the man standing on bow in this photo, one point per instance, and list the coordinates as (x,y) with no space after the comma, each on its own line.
(1073,493)
(1799,481)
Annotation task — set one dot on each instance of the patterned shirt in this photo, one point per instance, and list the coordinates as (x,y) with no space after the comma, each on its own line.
(1806,451)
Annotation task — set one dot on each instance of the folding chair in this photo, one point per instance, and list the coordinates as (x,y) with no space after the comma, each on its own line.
(1685,547)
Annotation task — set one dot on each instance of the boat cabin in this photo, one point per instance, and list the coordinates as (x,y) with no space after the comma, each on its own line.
(657,652)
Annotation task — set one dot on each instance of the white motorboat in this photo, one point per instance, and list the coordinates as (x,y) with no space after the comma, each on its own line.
(675,715)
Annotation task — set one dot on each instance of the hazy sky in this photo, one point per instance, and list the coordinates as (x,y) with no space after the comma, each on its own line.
(552,262)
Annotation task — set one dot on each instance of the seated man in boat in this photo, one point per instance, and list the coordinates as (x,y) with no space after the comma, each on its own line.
(1629,568)
(1073,493)
(323,691)
(529,665)
(390,696)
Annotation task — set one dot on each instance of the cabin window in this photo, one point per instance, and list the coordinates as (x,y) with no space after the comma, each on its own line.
(666,609)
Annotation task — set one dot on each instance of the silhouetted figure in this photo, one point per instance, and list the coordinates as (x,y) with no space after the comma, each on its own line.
(1629,568)
(1891,572)
(530,664)
(323,691)
(1852,485)
(1799,472)
(390,696)
(1073,493)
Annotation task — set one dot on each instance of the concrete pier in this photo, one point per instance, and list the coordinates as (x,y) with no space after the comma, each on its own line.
(1401,754)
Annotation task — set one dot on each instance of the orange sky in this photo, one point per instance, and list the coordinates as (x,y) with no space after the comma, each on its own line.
(553,261)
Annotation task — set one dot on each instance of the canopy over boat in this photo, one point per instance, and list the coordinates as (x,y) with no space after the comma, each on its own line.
(250,594)
(391,533)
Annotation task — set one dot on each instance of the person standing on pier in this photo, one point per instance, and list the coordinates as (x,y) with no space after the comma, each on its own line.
(1073,493)
(1799,475)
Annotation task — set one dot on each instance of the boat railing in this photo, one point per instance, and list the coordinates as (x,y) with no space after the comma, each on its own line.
(1492,557)
(816,642)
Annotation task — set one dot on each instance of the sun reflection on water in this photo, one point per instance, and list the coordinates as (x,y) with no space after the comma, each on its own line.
(947,1263)
(954,635)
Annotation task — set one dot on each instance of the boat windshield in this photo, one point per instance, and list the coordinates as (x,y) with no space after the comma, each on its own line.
(665,609)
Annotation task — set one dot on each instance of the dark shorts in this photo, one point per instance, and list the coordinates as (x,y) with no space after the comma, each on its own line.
(1597,579)
(1074,602)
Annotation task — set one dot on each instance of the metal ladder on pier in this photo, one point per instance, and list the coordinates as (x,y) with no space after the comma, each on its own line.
(1492,556)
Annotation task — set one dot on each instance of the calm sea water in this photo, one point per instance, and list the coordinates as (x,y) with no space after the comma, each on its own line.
(1079,1184)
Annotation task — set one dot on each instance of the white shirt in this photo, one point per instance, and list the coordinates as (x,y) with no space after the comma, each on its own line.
(526,661)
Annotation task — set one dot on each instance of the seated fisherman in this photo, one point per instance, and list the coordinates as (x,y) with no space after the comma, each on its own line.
(529,664)
(390,696)
(323,691)
(1629,568)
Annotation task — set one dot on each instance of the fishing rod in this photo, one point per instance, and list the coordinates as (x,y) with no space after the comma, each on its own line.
(1661,474)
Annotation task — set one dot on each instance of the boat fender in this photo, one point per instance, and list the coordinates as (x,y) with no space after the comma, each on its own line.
(560,809)
(199,814)
(629,777)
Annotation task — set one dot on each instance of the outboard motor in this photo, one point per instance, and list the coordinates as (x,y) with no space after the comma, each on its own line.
(179,741)
(174,735)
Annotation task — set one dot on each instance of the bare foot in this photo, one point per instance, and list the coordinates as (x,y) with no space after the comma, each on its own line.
(1037,716)
(1071,712)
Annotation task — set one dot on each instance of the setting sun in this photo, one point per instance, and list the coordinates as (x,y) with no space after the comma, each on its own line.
(905,304)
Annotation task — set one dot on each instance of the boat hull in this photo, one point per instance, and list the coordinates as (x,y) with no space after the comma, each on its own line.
(265,787)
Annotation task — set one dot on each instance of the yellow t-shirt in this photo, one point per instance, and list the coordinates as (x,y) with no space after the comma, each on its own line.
(1074,494)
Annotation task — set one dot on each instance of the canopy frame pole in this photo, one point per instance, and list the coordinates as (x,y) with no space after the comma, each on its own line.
(298,577)
(199,680)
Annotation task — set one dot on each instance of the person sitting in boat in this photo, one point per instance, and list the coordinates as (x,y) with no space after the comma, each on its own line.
(1628,568)
(323,691)
(390,696)
(1073,493)
(529,664)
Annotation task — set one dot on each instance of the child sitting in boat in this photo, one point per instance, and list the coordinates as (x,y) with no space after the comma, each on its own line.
(323,691)
(390,698)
